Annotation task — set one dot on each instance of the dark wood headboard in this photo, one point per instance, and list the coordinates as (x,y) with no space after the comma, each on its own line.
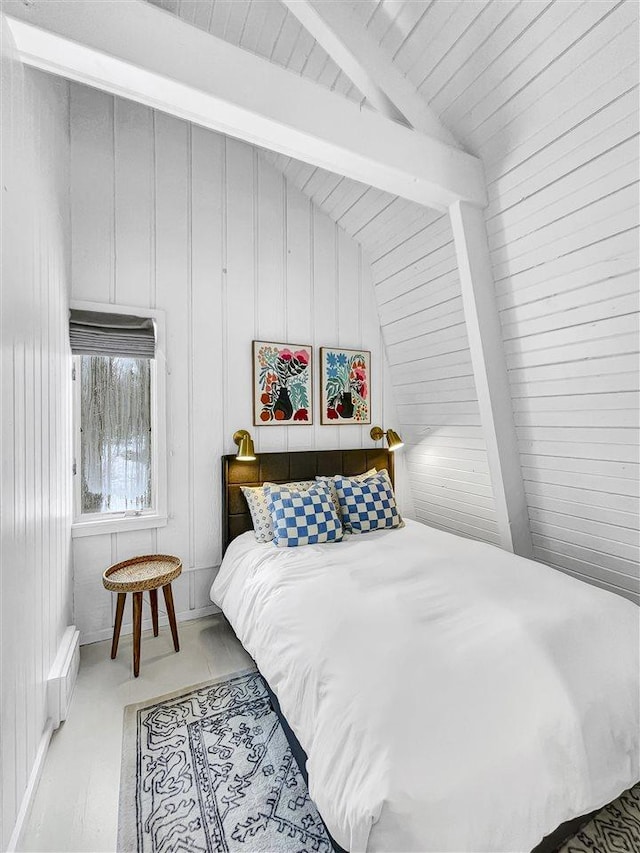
(283,468)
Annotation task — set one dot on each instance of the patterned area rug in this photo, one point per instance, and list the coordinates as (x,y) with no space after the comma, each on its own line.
(211,770)
(615,829)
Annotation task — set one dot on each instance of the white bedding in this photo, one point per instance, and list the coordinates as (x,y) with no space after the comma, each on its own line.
(449,695)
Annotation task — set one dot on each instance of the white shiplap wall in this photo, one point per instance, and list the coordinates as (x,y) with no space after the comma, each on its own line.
(414,271)
(546,93)
(413,265)
(175,217)
(420,304)
(35,447)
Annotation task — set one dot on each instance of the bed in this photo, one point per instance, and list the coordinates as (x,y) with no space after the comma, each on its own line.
(448,695)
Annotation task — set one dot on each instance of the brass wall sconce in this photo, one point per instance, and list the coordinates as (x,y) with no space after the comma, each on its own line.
(246,451)
(394,441)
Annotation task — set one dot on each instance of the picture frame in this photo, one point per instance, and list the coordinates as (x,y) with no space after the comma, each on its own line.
(345,386)
(282,384)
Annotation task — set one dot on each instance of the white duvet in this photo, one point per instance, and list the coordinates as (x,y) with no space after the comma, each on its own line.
(449,695)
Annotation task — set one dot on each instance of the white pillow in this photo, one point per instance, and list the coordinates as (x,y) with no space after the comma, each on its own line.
(332,488)
(260,515)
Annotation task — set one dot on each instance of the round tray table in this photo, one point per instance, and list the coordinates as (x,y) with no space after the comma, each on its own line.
(139,575)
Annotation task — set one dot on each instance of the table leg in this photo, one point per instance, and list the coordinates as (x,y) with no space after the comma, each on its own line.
(153,595)
(168,597)
(122,596)
(137,630)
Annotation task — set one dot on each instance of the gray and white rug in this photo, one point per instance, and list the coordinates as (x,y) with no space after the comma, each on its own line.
(211,770)
(615,828)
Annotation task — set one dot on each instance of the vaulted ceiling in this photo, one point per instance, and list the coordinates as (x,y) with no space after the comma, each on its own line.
(269,29)
(544,94)
(472,62)
(449,51)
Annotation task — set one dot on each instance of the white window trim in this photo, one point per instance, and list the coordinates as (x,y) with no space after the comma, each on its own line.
(115,522)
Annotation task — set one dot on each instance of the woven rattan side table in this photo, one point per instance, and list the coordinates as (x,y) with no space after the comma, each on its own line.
(139,575)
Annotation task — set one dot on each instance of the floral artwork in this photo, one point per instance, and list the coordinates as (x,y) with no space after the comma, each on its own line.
(345,386)
(281,384)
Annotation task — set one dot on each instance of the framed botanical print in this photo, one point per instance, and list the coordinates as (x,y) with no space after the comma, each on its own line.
(282,384)
(345,386)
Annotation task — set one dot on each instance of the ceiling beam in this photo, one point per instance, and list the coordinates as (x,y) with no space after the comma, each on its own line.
(352,47)
(345,58)
(136,51)
(490,372)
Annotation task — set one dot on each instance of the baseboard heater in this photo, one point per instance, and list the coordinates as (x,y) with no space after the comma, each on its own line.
(62,678)
(60,684)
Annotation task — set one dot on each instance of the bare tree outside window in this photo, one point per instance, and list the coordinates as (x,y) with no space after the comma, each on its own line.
(115,423)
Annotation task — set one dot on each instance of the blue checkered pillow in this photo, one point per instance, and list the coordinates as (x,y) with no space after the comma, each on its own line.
(368,505)
(303,518)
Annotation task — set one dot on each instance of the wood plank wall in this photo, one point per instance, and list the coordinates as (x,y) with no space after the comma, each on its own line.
(414,270)
(547,96)
(175,217)
(546,93)
(35,394)
(420,304)
(561,220)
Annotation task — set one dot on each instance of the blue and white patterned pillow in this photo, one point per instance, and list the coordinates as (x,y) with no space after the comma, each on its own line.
(303,518)
(257,502)
(383,474)
(367,505)
(332,488)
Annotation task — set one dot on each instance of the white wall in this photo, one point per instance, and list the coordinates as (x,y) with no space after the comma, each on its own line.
(547,96)
(561,220)
(171,216)
(417,288)
(35,378)
(420,303)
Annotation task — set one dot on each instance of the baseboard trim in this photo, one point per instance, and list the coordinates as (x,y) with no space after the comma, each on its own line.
(184,616)
(32,787)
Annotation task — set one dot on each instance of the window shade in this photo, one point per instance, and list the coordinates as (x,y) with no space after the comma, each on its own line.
(98,333)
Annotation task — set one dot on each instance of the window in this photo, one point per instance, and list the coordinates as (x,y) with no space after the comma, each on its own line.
(119,437)
(115,434)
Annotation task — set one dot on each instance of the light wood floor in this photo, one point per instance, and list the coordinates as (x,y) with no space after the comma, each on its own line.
(76,806)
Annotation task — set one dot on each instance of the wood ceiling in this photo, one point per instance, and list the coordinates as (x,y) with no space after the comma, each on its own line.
(268,29)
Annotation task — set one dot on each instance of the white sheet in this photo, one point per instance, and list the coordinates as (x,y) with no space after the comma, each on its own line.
(449,695)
